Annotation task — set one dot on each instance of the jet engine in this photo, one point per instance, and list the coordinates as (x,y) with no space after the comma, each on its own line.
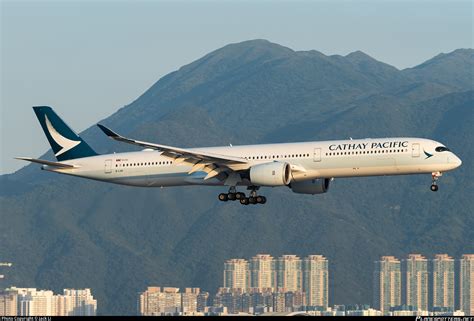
(312,186)
(270,174)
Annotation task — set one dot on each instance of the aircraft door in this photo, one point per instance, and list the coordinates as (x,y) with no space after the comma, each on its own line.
(415,150)
(317,155)
(108,166)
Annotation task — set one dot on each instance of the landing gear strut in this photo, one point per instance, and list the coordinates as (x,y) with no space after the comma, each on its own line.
(233,195)
(435,176)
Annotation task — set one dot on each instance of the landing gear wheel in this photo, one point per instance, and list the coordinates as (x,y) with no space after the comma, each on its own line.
(434,179)
(252,200)
(223,197)
(264,200)
(244,201)
(239,195)
(231,196)
(259,199)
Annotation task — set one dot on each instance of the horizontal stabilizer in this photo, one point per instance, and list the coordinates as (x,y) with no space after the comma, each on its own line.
(45,162)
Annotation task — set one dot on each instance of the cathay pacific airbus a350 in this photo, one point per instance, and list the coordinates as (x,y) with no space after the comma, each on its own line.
(305,168)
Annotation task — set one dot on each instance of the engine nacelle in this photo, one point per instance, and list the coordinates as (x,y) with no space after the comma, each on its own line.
(312,186)
(270,174)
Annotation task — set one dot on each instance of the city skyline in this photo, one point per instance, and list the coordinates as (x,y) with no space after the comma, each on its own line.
(401,287)
(38,302)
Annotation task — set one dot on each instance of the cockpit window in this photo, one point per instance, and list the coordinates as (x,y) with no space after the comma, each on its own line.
(441,149)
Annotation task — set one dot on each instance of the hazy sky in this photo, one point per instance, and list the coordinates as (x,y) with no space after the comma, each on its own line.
(89,58)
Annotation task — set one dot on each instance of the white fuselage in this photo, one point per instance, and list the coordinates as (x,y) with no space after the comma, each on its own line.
(308,160)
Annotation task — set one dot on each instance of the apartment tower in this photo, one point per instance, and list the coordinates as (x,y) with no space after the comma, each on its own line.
(315,280)
(467,284)
(289,273)
(417,282)
(262,272)
(387,284)
(236,274)
(443,282)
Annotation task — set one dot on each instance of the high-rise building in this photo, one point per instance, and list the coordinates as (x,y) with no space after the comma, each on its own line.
(230,298)
(467,284)
(295,300)
(387,284)
(236,274)
(8,304)
(279,302)
(148,301)
(417,282)
(443,282)
(82,302)
(33,302)
(289,273)
(156,301)
(189,300)
(262,272)
(202,300)
(315,280)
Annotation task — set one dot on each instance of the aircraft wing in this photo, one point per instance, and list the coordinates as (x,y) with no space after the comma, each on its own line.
(202,160)
(45,162)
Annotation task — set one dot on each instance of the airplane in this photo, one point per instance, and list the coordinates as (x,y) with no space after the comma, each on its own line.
(306,167)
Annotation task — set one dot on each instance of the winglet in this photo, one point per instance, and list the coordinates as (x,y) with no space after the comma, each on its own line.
(108,131)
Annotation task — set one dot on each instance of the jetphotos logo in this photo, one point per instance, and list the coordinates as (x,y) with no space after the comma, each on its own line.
(65,143)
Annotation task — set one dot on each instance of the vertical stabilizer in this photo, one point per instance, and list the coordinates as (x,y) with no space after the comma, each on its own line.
(66,144)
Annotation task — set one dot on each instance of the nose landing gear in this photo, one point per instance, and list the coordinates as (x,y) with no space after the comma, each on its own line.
(434,182)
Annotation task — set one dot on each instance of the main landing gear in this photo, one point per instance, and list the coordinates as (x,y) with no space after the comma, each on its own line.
(233,195)
(435,176)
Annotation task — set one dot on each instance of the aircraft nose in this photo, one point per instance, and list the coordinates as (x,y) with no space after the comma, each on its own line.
(456,161)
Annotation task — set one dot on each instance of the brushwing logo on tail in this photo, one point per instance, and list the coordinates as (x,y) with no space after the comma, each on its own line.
(65,143)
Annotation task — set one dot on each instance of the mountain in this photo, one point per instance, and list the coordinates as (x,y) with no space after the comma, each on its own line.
(454,69)
(63,232)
